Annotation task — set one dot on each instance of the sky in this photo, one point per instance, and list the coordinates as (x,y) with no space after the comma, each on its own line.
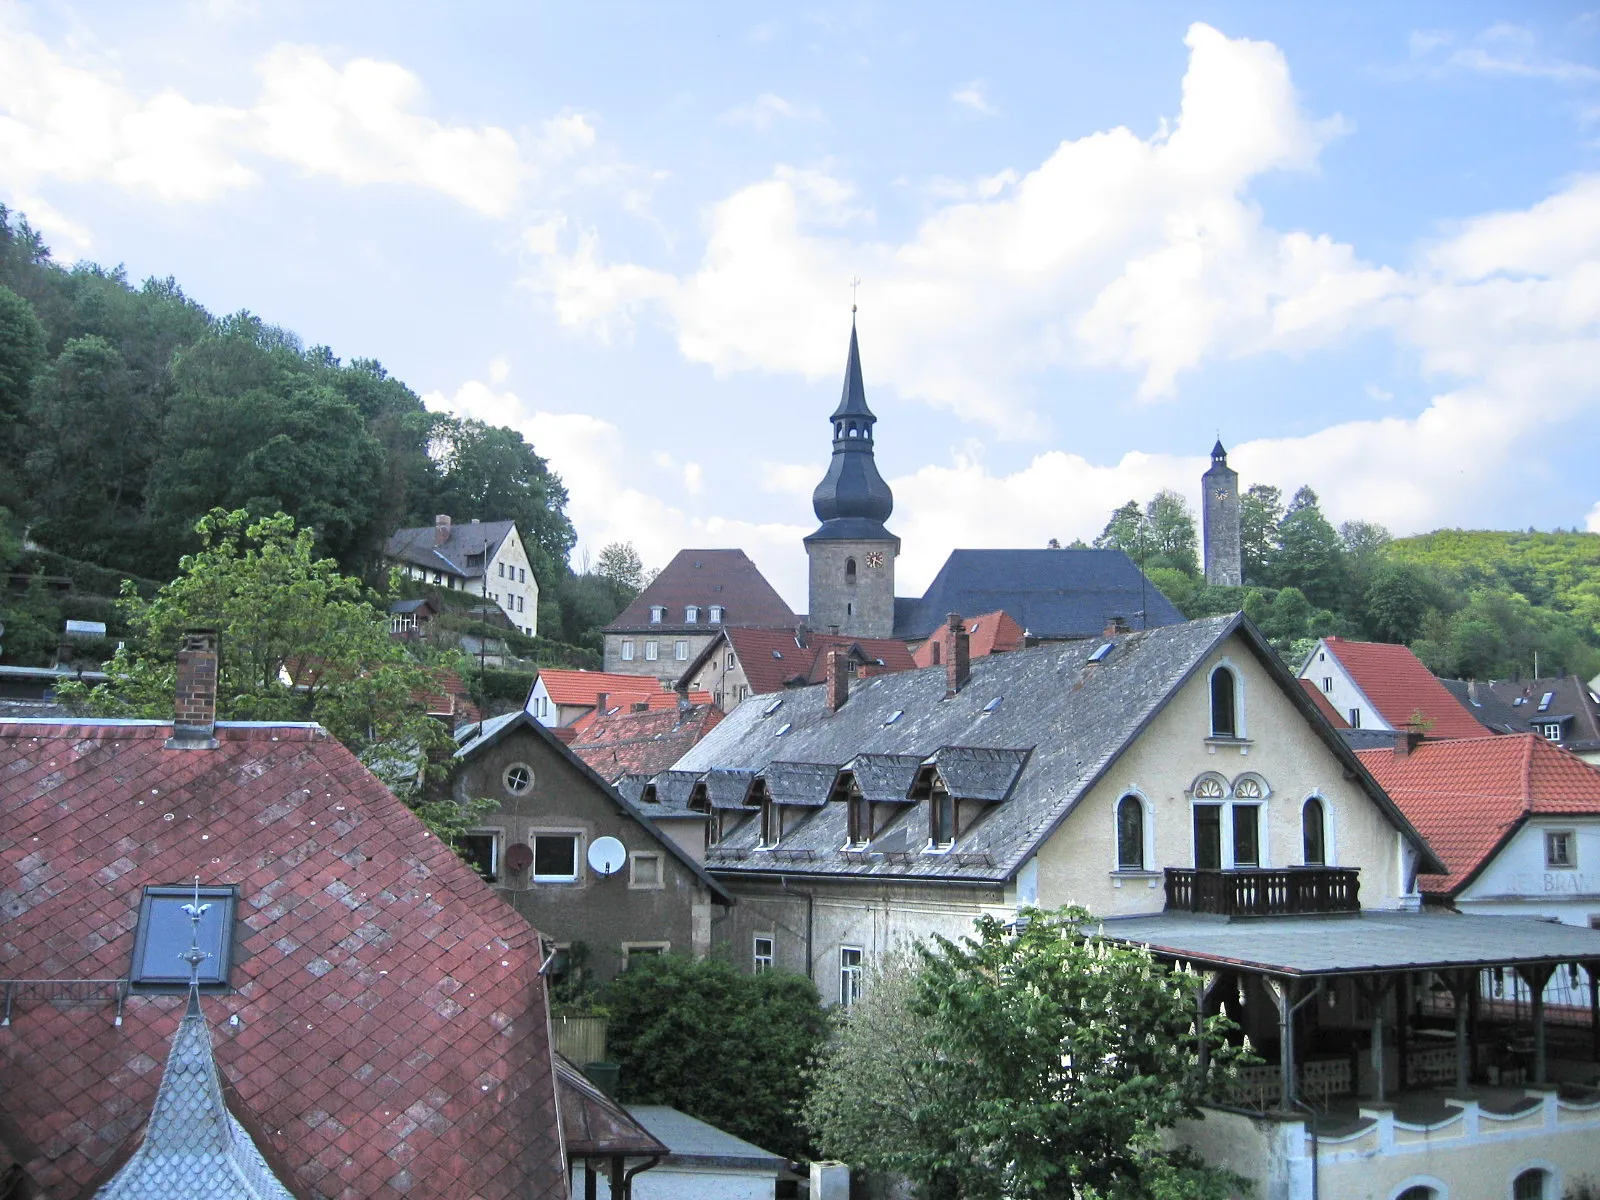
(1358,242)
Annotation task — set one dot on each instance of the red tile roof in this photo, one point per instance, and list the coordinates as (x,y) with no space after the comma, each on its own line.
(1398,685)
(392,1030)
(703,578)
(450,700)
(644,743)
(581,687)
(1466,795)
(987,633)
(774,658)
(657,700)
(1329,712)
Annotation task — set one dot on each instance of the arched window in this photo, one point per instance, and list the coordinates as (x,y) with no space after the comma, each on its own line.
(1532,1184)
(1420,1191)
(849,570)
(1224,719)
(1314,832)
(1130,834)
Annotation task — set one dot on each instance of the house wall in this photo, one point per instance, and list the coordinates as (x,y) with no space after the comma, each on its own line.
(864,609)
(1079,863)
(667,666)
(723,676)
(517,591)
(872,915)
(1517,881)
(689,1181)
(607,912)
(1345,695)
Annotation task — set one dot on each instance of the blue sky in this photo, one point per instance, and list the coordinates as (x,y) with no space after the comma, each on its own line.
(1361,241)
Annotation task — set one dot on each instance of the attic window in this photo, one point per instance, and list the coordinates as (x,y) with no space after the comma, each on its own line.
(1544,701)
(165,932)
(773,707)
(783,729)
(894,716)
(658,614)
(716,613)
(974,628)
(992,705)
(1100,654)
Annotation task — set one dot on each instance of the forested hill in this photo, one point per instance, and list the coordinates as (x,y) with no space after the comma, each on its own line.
(1551,570)
(126,413)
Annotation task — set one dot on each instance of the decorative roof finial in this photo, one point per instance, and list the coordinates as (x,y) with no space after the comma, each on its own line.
(855,282)
(194,956)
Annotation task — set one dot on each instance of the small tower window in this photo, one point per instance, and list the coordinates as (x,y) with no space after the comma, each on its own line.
(849,570)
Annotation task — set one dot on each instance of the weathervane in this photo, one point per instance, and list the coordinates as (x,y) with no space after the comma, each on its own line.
(194,956)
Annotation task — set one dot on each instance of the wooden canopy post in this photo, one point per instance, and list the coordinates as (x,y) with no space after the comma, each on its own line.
(1375,991)
(1402,1030)
(1592,968)
(1460,982)
(1536,975)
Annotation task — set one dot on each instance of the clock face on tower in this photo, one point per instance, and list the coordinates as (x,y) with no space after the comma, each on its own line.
(1222,493)
(875,559)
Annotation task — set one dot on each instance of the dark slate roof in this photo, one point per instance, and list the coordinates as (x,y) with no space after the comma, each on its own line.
(724,789)
(1571,702)
(975,772)
(408,606)
(670,790)
(853,397)
(1076,717)
(193,1146)
(1050,593)
(1493,713)
(804,785)
(421,547)
(631,787)
(478,738)
(703,578)
(884,778)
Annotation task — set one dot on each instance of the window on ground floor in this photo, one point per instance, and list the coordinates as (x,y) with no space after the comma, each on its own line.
(481,849)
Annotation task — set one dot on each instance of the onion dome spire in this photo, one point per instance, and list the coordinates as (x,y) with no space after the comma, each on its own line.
(853,500)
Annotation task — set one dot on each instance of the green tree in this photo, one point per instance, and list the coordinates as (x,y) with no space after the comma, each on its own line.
(1124,531)
(720,1045)
(1397,599)
(298,641)
(1309,555)
(1051,1059)
(619,563)
(21,352)
(1170,532)
(1260,510)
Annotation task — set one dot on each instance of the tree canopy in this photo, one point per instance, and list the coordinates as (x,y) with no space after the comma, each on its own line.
(1023,1063)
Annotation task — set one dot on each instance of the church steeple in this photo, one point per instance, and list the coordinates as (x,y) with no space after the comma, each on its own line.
(852,554)
(852,490)
(1220,517)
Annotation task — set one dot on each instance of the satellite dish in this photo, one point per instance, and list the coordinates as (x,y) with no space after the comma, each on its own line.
(606,856)
(519,856)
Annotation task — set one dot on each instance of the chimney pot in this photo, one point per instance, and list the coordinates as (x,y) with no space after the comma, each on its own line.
(958,666)
(838,678)
(194,718)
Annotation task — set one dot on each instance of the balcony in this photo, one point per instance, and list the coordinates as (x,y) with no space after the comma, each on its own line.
(1252,892)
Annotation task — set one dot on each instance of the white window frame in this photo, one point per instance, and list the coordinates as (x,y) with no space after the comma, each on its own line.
(1241,730)
(680,650)
(653,949)
(652,650)
(497,839)
(1550,731)
(1571,846)
(627,649)
(658,614)
(634,883)
(850,973)
(716,614)
(691,614)
(760,962)
(1148,831)
(577,855)
(1330,844)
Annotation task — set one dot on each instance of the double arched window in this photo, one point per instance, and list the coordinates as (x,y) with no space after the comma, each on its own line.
(1130,834)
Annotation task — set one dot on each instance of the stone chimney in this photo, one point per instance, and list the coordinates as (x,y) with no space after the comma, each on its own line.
(1405,741)
(194,720)
(441,529)
(837,675)
(958,664)
(601,703)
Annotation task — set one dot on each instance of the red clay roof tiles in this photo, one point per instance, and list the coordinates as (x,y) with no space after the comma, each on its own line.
(392,1033)
(644,743)
(773,658)
(1329,712)
(1398,685)
(987,633)
(1465,795)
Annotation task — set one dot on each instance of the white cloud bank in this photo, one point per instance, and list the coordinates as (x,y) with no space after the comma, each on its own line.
(361,122)
(1146,255)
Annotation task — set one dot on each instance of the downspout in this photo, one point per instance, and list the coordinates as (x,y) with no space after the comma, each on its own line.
(1285,1050)
(627,1179)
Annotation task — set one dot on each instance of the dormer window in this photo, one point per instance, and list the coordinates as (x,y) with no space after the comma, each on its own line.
(942,819)
(658,614)
(691,615)
(771,824)
(716,614)
(860,819)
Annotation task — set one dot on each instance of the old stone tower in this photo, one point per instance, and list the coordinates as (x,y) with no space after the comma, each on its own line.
(852,554)
(1220,521)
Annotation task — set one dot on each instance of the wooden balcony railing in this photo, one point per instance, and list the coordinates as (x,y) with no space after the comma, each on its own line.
(1250,892)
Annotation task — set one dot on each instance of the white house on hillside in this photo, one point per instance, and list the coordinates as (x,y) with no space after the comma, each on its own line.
(481,558)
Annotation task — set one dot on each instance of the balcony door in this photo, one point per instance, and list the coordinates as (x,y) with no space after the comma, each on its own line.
(1208,837)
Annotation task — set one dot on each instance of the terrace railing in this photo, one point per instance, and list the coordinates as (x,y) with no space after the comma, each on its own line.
(1256,892)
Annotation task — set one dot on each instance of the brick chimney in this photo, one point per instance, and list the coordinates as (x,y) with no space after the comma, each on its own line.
(194,720)
(1114,626)
(601,703)
(1405,741)
(837,675)
(958,664)
(441,529)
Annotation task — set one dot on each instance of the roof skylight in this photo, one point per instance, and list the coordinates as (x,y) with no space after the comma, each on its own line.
(773,707)
(777,654)
(894,716)
(1544,701)
(1100,654)
(992,705)
(783,729)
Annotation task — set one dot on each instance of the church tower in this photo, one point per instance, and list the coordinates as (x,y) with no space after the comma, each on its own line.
(852,554)
(1219,488)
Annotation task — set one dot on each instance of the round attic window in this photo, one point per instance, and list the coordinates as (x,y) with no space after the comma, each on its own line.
(518,778)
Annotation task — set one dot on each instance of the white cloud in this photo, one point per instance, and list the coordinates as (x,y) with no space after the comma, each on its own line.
(1121,251)
(971,95)
(767,110)
(361,122)
(1501,49)
(1593,523)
